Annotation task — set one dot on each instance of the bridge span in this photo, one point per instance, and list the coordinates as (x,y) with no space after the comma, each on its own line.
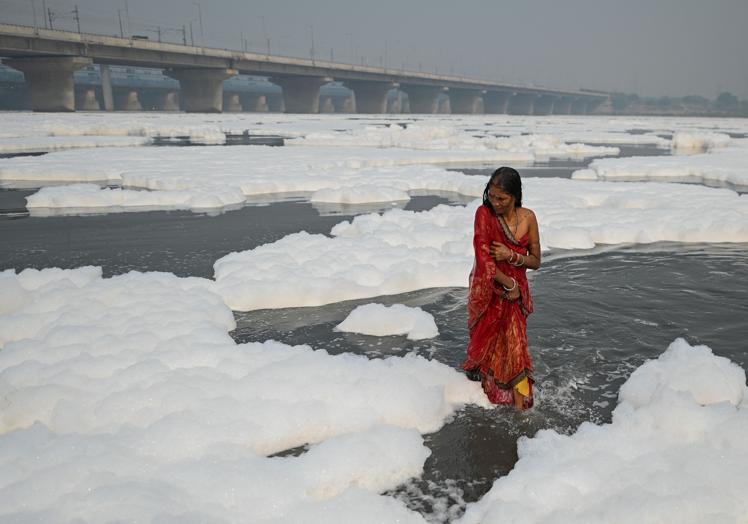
(48,59)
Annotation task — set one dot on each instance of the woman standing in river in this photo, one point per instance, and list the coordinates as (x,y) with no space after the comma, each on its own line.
(506,242)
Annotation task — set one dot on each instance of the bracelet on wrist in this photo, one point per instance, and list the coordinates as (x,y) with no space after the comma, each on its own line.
(510,289)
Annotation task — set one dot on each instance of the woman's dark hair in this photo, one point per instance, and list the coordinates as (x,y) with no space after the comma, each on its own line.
(508,180)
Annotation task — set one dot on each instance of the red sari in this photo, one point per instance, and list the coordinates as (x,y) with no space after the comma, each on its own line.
(498,350)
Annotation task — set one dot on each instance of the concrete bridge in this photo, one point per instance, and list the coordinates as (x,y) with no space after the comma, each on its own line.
(48,59)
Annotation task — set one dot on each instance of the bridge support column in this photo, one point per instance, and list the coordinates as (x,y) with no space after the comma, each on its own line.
(232,103)
(404,102)
(522,104)
(50,80)
(257,103)
(89,102)
(496,102)
(464,101)
(202,89)
(423,99)
(107,94)
(300,93)
(395,104)
(169,101)
(326,105)
(348,105)
(562,106)
(544,105)
(443,105)
(579,107)
(371,97)
(343,104)
(128,100)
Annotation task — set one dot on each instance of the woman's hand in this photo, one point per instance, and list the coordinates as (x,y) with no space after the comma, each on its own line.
(499,251)
(513,295)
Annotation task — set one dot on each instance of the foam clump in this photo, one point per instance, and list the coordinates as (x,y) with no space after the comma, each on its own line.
(360,195)
(726,165)
(174,177)
(434,137)
(401,251)
(122,389)
(379,320)
(15,145)
(91,198)
(692,141)
(675,452)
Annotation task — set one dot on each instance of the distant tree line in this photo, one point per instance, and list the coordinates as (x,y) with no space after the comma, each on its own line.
(726,104)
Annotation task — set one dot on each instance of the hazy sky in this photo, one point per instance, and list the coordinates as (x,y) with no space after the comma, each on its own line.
(651,47)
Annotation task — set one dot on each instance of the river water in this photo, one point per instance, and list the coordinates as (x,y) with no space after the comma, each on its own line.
(599,314)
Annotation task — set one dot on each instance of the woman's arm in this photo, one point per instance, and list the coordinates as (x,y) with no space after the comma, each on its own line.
(509,285)
(532,260)
(500,252)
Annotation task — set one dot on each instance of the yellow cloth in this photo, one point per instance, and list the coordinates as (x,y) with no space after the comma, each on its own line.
(523,388)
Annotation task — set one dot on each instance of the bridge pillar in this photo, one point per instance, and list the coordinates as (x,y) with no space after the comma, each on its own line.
(202,89)
(257,103)
(464,101)
(544,105)
(395,103)
(107,94)
(300,93)
(50,80)
(371,97)
(443,105)
(128,100)
(89,102)
(423,99)
(404,102)
(326,105)
(579,107)
(169,101)
(232,103)
(348,105)
(496,102)
(343,104)
(563,106)
(522,104)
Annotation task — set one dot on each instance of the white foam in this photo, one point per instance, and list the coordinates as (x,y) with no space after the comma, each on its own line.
(689,141)
(380,151)
(359,195)
(90,198)
(726,165)
(52,143)
(130,389)
(448,137)
(403,251)
(589,129)
(358,175)
(675,452)
(380,320)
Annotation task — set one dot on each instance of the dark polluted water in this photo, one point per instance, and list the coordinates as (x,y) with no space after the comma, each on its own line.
(179,242)
(598,317)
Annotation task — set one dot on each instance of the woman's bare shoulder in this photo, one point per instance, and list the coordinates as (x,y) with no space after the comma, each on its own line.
(529,213)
